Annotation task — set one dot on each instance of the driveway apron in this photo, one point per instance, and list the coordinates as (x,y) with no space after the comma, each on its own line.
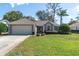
(9,42)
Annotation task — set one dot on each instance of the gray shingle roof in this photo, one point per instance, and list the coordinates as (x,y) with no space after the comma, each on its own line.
(22,21)
(26,21)
(40,23)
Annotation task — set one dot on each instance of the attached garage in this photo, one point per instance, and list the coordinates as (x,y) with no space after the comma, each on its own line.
(21,29)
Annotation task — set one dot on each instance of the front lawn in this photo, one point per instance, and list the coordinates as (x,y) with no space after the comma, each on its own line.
(49,45)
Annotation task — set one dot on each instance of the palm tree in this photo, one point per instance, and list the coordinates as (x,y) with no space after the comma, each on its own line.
(62,13)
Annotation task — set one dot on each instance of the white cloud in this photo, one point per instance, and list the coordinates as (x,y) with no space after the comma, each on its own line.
(70,17)
(77,8)
(0,18)
(21,3)
(13,4)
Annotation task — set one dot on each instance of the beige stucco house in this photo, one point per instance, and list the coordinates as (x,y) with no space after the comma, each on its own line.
(24,26)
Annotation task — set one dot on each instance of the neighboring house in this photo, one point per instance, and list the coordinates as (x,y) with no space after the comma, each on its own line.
(24,26)
(75,27)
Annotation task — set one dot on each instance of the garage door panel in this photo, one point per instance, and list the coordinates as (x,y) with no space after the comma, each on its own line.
(21,29)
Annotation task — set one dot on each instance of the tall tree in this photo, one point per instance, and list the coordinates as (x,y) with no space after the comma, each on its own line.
(62,13)
(53,8)
(44,15)
(41,15)
(13,15)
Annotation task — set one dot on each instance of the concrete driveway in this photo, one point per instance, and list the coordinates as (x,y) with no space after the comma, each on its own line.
(8,42)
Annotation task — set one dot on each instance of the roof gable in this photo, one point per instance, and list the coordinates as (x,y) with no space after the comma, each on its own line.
(52,23)
(40,23)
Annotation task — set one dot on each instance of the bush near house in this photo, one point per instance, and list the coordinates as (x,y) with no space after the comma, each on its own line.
(3,28)
(64,29)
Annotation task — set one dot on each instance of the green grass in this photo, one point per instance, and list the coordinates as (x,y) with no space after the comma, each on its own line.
(48,45)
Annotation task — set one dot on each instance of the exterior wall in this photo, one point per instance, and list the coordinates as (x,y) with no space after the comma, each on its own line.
(9,29)
(21,29)
(75,27)
(52,27)
(34,29)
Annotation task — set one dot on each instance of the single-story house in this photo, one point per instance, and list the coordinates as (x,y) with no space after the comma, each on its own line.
(75,27)
(24,26)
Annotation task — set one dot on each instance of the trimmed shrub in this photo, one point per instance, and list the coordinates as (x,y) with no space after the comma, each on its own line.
(64,29)
(3,28)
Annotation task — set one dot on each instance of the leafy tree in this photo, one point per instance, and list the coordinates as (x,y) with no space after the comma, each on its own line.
(62,13)
(64,28)
(3,28)
(48,14)
(29,18)
(53,8)
(77,17)
(72,21)
(41,15)
(13,15)
(44,15)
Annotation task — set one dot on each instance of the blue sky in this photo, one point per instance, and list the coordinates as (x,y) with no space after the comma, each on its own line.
(30,9)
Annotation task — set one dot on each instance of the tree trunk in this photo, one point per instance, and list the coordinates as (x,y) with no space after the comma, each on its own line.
(53,16)
(60,20)
(0,33)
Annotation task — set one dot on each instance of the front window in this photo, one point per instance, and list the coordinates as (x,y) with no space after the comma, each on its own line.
(48,28)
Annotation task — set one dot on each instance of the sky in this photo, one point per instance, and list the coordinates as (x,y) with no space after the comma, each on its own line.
(30,9)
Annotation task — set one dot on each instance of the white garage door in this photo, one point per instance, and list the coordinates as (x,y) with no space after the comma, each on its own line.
(21,29)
